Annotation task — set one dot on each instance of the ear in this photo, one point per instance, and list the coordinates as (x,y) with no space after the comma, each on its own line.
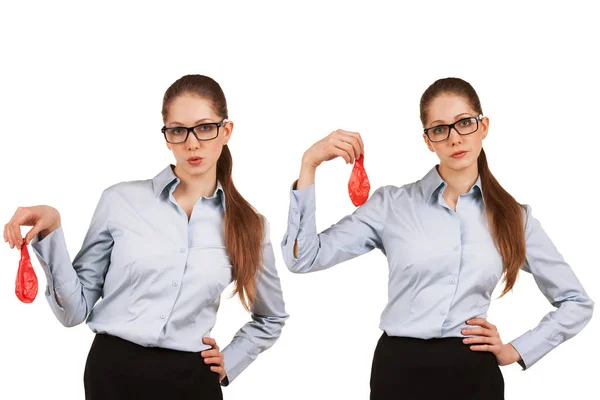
(485,124)
(227,131)
(428,143)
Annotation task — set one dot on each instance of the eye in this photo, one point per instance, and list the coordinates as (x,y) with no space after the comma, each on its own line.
(177,131)
(439,130)
(466,122)
(205,128)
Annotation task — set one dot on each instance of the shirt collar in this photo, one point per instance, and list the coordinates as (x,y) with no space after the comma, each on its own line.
(167,178)
(433,182)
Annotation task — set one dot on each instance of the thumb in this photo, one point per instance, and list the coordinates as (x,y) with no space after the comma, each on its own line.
(37,228)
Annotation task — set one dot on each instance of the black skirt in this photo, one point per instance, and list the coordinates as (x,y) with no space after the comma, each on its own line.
(118,369)
(417,369)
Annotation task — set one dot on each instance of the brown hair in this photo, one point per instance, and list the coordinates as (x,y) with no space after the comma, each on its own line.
(244,226)
(504,213)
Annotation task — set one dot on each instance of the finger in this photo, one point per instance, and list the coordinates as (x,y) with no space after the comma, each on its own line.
(8,234)
(218,370)
(211,353)
(209,341)
(479,332)
(347,147)
(481,322)
(14,233)
(482,347)
(37,228)
(338,152)
(20,216)
(337,141)
(352,139)
(4,234)
(358,139)
(482,340)
(213,360)
(18,237)
(14,227)
(362,145)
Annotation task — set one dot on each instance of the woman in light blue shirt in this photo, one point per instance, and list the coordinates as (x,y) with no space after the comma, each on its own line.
(448,238)
(160,252)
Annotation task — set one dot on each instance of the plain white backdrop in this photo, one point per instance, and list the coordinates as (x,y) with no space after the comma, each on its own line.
(80,97)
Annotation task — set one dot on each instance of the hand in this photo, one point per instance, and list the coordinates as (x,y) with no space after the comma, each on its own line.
(487,338)
(44,219)
(340,143)
(214,356)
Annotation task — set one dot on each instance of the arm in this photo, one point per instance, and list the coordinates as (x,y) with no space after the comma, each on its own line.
(560,286)
(305,250)
(268,318)
(73,288)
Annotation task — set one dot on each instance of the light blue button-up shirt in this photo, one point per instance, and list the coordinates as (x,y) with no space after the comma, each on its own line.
(160,277)
(443,264)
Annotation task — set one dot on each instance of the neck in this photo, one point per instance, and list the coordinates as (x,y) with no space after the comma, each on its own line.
(196,186)
(459,182)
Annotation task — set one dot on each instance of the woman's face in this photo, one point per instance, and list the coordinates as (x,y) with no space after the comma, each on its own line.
(457,152)
(195,157)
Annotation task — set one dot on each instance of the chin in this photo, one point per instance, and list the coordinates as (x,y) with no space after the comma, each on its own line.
(461,164)
(198,170)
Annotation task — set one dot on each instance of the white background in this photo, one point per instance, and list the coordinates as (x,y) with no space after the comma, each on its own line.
(80,97)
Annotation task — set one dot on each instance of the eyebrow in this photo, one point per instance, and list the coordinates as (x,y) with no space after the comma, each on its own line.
(455,118)
(175,123)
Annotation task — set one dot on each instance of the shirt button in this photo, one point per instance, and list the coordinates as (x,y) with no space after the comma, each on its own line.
(174,283)
(452,281)
(442,312)
(162,316)
(456,247)
(182,250)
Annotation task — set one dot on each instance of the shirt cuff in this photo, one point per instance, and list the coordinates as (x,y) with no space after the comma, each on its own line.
(51,252)
(301,217)
(237,356)
(532,347)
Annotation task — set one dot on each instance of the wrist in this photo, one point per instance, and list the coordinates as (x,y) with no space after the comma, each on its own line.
(45,232)
(514,354)
(308,164)
(307,175)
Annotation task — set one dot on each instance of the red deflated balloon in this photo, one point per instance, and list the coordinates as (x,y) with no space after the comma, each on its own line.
(359,186)
(26,286)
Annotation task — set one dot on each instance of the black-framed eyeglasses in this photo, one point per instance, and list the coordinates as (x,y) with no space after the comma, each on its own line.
(202,132)
(464,126)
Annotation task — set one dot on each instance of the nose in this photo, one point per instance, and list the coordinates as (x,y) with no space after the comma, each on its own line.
(192,143)
(454,138)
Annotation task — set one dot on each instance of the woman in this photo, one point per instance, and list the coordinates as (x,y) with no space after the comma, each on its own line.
(448,238)
(160,252)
